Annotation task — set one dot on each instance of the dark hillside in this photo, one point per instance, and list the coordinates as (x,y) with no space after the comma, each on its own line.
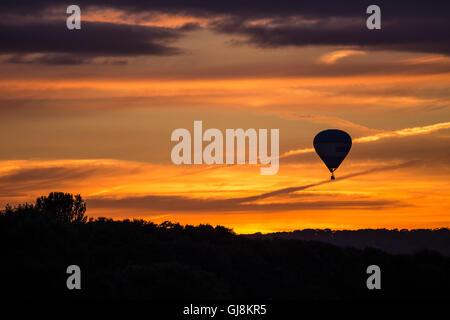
(391,241)
(137,259)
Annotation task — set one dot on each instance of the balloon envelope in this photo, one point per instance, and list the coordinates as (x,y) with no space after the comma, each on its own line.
(332,146)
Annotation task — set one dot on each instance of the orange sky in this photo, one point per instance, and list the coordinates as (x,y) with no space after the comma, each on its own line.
(103,130)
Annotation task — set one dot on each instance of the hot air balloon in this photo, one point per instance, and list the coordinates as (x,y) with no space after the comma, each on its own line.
(332,146)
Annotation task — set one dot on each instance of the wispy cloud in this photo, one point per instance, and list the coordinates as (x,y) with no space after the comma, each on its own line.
(301,188)
(251,203)
(383,135)
(405,132)
(426,60)
(333,121)
(334,56)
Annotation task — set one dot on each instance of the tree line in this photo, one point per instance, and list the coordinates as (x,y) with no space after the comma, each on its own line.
(137,259)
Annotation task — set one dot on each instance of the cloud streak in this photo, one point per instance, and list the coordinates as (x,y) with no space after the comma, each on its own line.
(407,132)
(244,204)
(334,56)
(348,176)
(25,177)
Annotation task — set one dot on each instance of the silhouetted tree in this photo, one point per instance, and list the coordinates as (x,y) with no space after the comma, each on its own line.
(64,207)
(141,259)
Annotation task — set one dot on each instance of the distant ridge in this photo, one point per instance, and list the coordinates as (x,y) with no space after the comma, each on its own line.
(392,241)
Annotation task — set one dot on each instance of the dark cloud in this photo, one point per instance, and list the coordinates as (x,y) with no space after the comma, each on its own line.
(55,44)
(401,34)
(416,26)
(183,204)
(246,8)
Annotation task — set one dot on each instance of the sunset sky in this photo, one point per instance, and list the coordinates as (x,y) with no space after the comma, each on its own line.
(91,111)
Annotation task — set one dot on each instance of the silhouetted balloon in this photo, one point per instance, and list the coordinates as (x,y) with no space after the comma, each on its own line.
(332,146)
